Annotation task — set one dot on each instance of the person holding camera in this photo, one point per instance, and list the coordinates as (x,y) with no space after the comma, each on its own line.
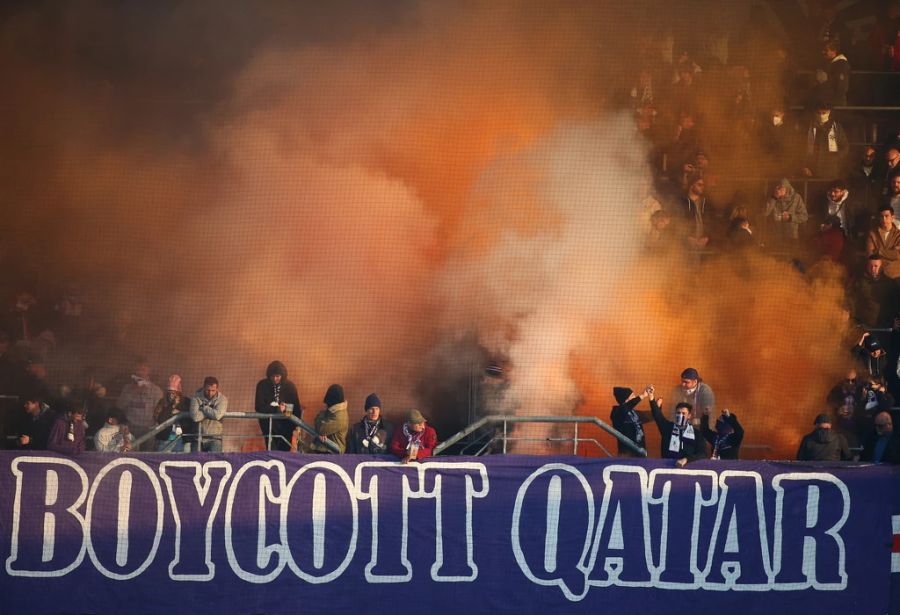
(208,408)
(627,420)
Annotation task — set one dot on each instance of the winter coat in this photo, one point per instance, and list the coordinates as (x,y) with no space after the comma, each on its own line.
(692,448)
(791,204)
(727,446)
(426,446)
(826,149)
(331,422)
(703,397)
(365,439)
(209,414)
(824,445)
(628,421)
(885,246)
(268,393)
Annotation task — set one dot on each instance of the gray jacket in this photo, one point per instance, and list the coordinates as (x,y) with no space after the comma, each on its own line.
(209,413)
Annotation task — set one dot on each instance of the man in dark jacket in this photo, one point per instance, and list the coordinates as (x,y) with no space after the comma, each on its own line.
(275,394)
(34,429)
(726,439)
(372,435)
(881,445)
(627,420)
(823,443)
(679,440)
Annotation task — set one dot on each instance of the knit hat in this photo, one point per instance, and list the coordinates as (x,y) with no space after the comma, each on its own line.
(690,374)
(415,417)
(334,395)
(372,401)
(621,394)
(822,418)
(174,383)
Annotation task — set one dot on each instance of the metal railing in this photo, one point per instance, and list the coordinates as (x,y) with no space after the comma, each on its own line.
(504,438)
(185,416)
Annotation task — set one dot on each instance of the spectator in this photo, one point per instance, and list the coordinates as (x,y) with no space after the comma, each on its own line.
(875,398)
(372,435)
(627,420)
(873,296)
(740,235)
(679,439)
(834,78)
(893,197)
(726,439)
(838,203)
(173,403)
(21,320)
(34,429)
(208,408)
(661,240)
(138,399)
(693,205)
(694,391)
(786,211)
(881,445)
(331,422)
(884,240)
(865,180)
(277,395)
(778,141)
(67,433)
(826,145)
(114,436)
(846,392)
(871,354)
(823,444)
(830,240)
(414,440)
(891,170)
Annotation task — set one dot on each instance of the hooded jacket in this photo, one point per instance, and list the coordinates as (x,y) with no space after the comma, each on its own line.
(792,204)
(268,393)
(331,422)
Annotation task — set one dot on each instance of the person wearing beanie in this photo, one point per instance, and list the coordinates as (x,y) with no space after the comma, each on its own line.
(415,440)
(726,439)
(331,422)
(627,420)
(277,395)
(823,443)
(695,392)
(372,435)
(173,403)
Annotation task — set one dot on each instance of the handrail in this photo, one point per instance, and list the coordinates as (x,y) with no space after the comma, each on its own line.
(166,424)
(502,418)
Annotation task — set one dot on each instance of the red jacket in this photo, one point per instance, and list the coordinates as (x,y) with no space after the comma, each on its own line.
(426,445)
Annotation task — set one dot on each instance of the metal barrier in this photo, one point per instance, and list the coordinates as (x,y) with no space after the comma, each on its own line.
(505,420)
(167,424)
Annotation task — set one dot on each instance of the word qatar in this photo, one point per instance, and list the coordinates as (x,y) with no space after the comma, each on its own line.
(572,526)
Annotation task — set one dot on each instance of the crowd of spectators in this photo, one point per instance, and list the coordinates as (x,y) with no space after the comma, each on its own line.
(775,123)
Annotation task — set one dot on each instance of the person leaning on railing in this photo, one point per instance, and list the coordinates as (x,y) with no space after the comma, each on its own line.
(331,422)
(415,440)
(208,407)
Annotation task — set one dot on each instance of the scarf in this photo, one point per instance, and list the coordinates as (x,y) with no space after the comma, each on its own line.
(414,437)
(680,432)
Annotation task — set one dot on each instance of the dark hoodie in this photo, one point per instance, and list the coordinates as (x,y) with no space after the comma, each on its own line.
(824,445)
(628,421)
(267,393)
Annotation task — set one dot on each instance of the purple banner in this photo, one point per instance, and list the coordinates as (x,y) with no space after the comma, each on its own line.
(283,533)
